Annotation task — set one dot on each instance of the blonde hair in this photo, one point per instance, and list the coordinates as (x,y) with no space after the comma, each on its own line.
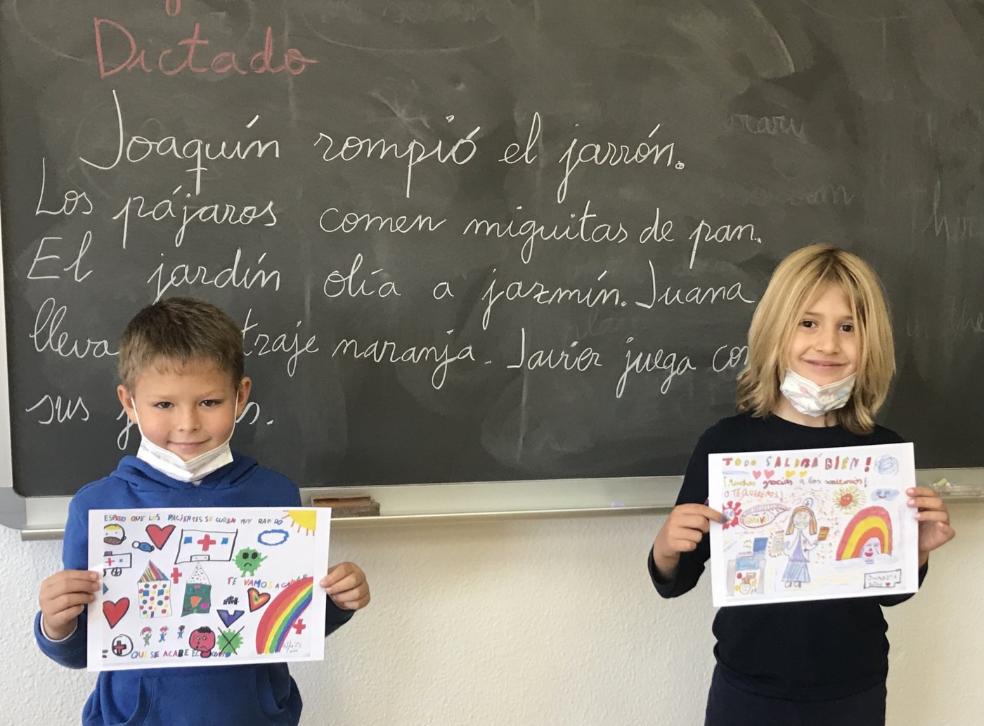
(794,284)
(792,517)
(180,330)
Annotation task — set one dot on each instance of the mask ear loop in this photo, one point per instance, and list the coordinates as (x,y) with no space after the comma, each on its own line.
(136,416)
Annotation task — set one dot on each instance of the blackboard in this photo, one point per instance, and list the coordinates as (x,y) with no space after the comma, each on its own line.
(477,241)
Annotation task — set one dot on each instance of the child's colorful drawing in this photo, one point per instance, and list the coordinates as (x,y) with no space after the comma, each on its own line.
(812,524)
(239,582)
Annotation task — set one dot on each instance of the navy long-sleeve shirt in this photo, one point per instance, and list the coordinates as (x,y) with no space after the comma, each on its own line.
(803,651)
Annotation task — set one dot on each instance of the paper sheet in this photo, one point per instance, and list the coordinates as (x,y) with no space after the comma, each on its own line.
(200,587)
(812,524)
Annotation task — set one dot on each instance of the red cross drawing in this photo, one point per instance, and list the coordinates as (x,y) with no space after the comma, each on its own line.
(207,542)
(299,626)
(119,648)
(109,562)
(175,575)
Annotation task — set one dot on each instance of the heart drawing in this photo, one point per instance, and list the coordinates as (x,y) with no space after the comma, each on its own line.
(159,535)
(257,599)
(114,611)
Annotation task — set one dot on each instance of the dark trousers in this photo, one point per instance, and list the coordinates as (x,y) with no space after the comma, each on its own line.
(728,705)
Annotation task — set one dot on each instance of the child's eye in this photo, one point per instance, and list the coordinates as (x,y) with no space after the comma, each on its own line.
(808,323)
(163,405)
(847,327)
(211,402)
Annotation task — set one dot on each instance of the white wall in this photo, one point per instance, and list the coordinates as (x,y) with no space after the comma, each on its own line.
(543,622)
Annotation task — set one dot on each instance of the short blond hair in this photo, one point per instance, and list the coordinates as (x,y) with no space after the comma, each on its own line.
(795,283)
(180,330)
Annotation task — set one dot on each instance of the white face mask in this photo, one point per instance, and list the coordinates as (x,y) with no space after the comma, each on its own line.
(811,399)
(169,463)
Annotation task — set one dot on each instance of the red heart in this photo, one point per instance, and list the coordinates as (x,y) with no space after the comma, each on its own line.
(159,535)
(257,599)
(769,473)
(114,611)
(756,473)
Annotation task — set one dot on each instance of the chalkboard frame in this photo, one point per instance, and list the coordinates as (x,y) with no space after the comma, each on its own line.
(583,494)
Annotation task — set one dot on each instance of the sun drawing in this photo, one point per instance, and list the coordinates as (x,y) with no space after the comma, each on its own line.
(849,498)
(305,520)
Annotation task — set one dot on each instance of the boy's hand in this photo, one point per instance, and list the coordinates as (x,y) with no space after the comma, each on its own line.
(682,532)
(346,586)
(63,597)
(934,520)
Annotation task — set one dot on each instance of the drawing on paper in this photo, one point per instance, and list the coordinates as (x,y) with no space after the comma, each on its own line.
(257,599)
(812,524)
(113,534)
(869,533)
(197,594)
(115,562)
(154,593)
(202,587)
(201,546)
(281,615)
(304,520)
(248,561)
(159,535)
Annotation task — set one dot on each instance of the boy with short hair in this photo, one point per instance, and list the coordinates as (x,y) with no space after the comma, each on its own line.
(181,369)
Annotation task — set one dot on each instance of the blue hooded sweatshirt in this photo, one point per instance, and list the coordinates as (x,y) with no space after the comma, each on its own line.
(240,695)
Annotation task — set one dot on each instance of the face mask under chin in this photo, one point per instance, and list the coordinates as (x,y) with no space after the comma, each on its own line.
(812,399)
(169,463)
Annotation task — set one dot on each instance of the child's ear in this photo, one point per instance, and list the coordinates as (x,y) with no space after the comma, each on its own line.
(242,394)
(126,400)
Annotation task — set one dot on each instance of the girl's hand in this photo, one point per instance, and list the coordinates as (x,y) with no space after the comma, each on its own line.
(682,532)
(346,585)
(934,520)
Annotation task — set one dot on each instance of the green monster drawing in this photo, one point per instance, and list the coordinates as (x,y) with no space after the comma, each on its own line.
(248,561)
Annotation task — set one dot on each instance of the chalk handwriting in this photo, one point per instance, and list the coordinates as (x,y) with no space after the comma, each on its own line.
(412,152)
(704,232)
(612,155)
(138,149)
(75,267)
(290,344)
(333,220)
(541,294)
(354,285)
(694,296)
(580,228)
(670,363)
(46,335)
(215,213)
(771,125)
(112,37)
(574,358)
(72,200)
(512,154)
(727,357)
(243,278)
(382,351)
(58,410)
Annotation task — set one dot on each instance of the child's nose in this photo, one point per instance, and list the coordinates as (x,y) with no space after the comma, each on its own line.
(189,421)
(827,341)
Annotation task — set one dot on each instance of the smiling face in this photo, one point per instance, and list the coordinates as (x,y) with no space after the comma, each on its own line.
(186,408)
(824,346)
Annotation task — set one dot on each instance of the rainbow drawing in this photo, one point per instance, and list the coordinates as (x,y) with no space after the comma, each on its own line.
(282,612)
(869,522)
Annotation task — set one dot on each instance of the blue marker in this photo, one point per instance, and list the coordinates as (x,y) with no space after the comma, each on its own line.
(143,546)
